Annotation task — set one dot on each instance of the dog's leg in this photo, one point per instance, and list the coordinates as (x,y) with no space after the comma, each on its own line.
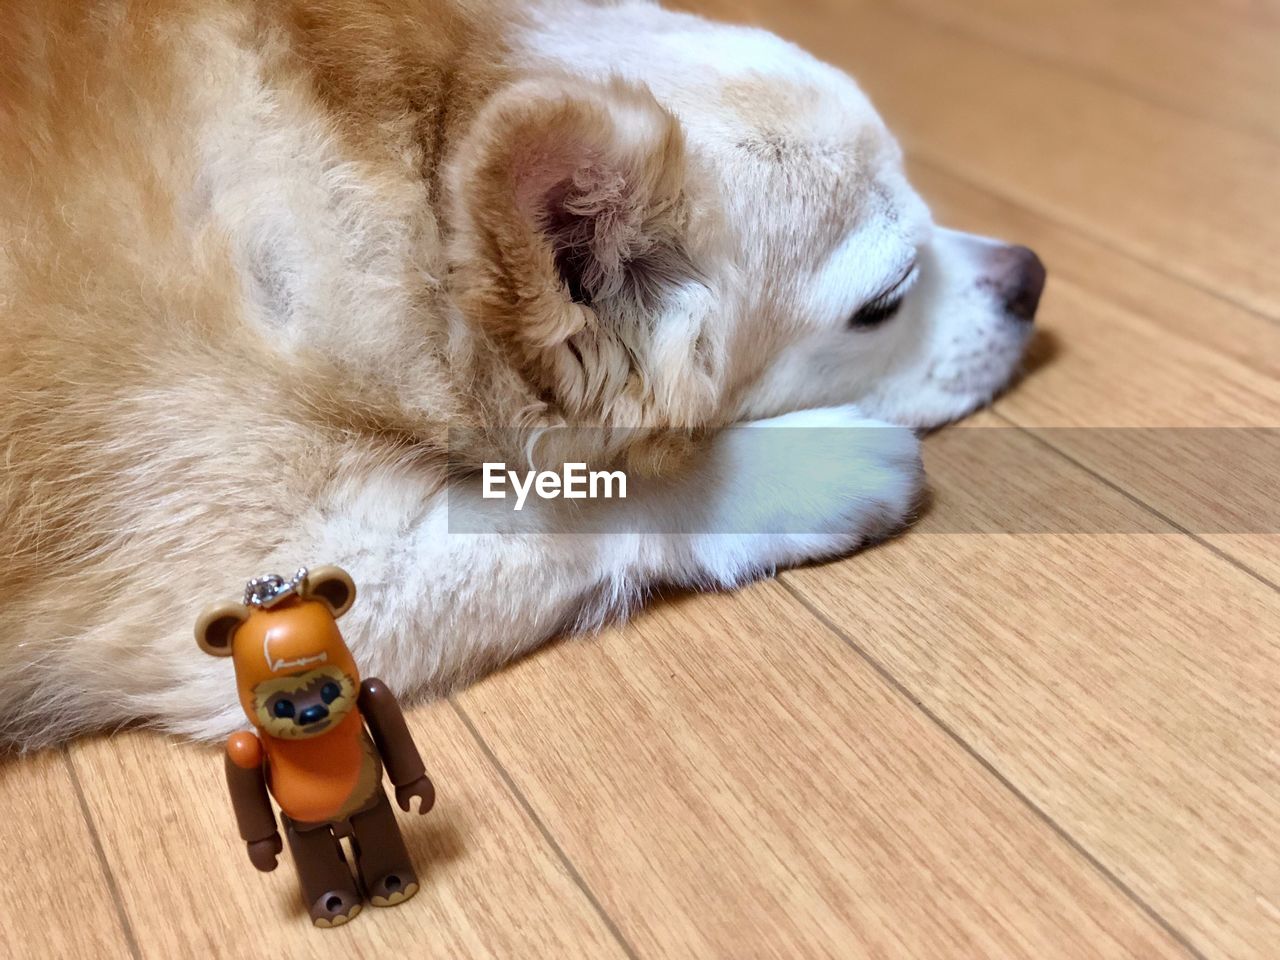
(797,488)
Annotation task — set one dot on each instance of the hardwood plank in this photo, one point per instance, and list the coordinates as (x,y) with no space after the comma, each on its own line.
(1258,552)
(492,887)
(57,901)
(1112,367)
(1210,60)
(1126,683)
(989,476)
(732,780)
(1173,190)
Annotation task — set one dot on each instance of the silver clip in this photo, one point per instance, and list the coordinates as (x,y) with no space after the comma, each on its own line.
(267,591)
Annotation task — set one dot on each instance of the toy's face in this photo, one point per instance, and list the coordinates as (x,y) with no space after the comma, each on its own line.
(304,705)
(295,675)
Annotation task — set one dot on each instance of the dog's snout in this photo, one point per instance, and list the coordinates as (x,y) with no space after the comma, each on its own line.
(1021,281)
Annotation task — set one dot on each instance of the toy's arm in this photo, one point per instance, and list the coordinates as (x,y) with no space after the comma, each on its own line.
(391,735)
(248,788)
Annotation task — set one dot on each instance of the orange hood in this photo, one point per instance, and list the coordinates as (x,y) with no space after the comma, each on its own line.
(288,638)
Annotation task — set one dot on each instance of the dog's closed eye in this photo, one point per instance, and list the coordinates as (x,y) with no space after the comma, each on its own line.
(883,306)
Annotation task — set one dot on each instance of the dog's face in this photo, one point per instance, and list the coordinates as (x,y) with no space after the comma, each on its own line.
(850,292)
(678,224)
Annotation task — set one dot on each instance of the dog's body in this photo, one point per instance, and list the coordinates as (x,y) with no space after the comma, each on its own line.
(257,257)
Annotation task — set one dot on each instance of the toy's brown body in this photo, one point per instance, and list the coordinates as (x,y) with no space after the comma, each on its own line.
(312,753)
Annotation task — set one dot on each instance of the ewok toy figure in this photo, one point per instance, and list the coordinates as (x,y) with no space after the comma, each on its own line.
(300,688)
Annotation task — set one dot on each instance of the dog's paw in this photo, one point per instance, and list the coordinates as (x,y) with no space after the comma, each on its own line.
(803,487)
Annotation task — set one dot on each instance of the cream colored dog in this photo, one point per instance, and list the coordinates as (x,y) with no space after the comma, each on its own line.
(277,277)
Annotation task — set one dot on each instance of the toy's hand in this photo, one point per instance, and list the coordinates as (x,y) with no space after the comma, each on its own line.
(263,853)
(420,788)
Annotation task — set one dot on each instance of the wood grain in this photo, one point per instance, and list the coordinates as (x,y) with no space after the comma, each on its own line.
(1227,49)
(734,781)
(492,885)
(1126,683)
(58,901)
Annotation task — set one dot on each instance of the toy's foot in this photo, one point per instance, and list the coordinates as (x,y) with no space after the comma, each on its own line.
(335,908)
(392,889)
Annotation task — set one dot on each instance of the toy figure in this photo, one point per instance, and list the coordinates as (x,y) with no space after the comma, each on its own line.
(298,685)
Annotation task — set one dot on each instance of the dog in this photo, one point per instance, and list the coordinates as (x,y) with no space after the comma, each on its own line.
(278,278)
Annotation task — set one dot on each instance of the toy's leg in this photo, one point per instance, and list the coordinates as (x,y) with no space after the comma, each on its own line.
(328,888)
(381,857)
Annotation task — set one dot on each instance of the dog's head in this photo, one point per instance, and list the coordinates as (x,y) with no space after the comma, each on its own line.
(671,223)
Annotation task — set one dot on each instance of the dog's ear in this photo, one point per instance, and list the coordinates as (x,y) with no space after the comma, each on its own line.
(571,197)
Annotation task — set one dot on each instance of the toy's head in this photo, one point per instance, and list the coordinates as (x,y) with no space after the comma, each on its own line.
(295,675)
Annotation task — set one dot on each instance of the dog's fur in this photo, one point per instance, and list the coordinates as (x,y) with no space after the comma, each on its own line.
(257,255)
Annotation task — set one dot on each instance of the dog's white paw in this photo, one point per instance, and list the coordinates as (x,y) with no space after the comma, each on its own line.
(805,486)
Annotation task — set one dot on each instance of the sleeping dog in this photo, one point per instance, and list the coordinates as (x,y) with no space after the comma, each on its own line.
(278,280)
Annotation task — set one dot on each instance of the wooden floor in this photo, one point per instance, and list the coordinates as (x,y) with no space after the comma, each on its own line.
(954,746)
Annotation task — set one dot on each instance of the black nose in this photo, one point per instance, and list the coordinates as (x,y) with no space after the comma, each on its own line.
(313,714)
(1022,283)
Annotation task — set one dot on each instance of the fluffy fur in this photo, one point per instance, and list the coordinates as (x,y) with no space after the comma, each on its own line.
(275,273)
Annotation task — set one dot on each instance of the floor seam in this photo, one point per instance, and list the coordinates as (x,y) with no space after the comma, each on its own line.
(1040,813)
(1139,502)
(113,887)
(574,874)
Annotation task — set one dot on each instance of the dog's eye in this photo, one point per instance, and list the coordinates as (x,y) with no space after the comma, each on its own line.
(283,708)
(875,313)
(883,307)
(330,692)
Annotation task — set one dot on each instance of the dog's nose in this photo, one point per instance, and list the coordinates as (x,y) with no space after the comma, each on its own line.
(1022,282)
(313,714)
